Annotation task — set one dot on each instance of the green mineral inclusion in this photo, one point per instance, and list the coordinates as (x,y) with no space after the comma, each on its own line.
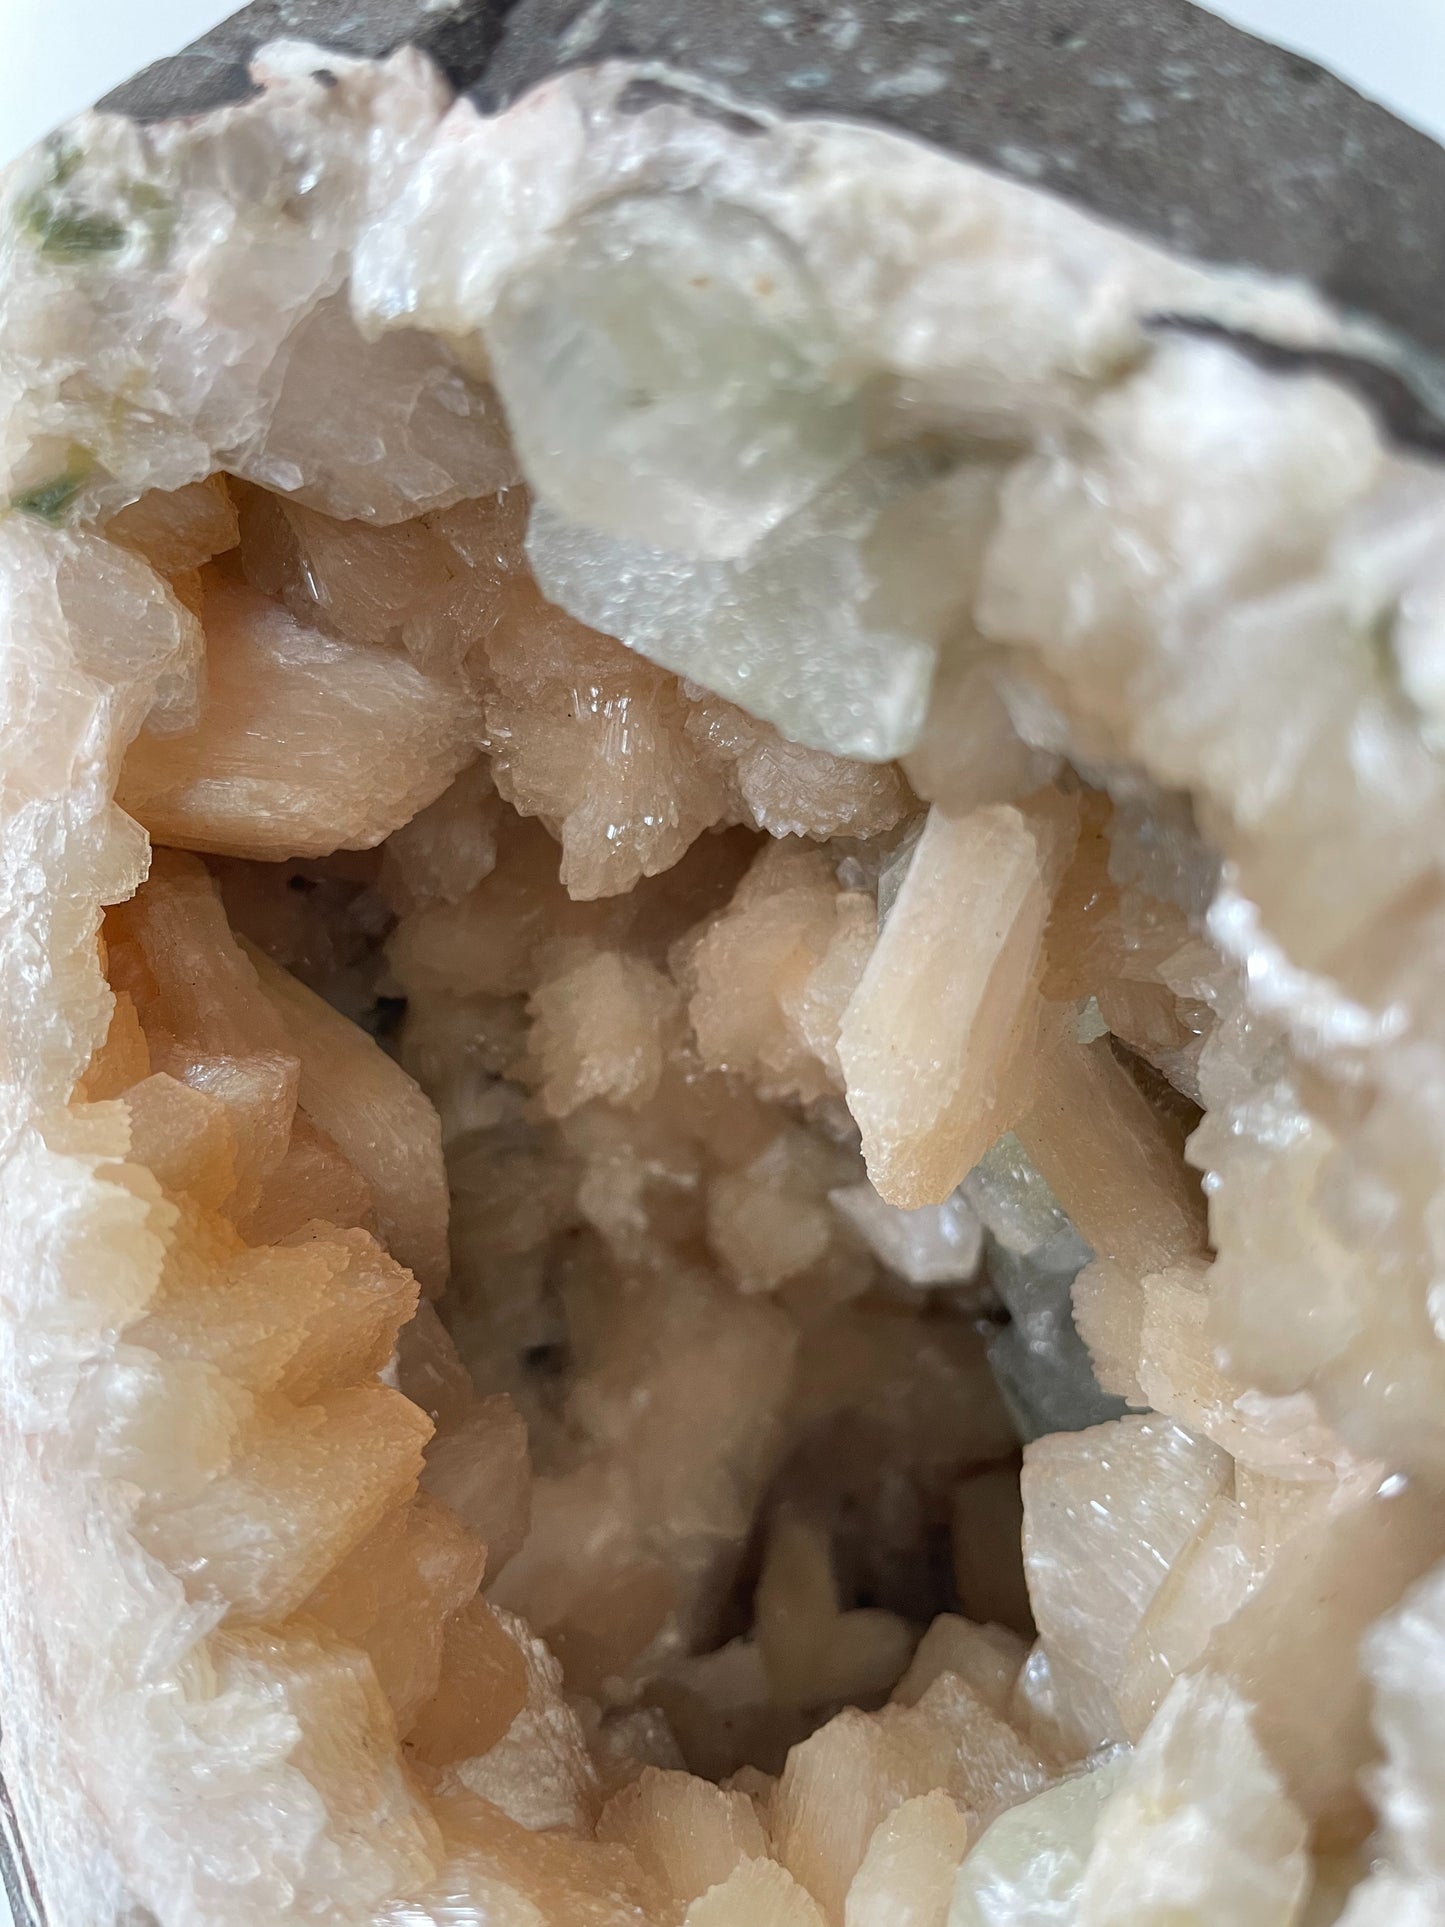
(66,233)
(49,501)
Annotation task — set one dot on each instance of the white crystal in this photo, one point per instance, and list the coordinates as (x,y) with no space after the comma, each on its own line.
(938,1244)
(1027,1868)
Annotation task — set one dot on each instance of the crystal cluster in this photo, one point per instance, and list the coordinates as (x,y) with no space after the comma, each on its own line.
(721,917)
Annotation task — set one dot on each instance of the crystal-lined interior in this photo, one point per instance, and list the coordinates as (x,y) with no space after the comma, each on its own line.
(747,1231)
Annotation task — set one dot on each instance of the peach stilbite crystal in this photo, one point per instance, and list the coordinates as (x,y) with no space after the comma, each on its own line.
(931,1040)
(759,1891)
(907,1875)
(687,1834)
(594,739)
(304,744)
(374,1114)
(845,1781)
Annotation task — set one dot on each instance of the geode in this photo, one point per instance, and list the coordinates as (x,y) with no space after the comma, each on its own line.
(722,907)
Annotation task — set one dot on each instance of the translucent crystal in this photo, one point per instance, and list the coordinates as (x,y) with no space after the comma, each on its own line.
(938,1244)
(678,342)
(760,630)
(431,434)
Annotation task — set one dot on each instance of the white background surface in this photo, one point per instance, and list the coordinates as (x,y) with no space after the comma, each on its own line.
(58,55)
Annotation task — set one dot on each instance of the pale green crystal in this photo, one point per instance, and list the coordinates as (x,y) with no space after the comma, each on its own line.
(671,375)
(806,630)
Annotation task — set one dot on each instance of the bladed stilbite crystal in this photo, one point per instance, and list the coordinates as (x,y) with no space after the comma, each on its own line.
(986,1657)
(706,824)
(846,1779)
(931,1040)
(374,1114)
(1121,1502)
(686,1833)
(300,736)
(813,1652)
(908,1872)
(759,1891)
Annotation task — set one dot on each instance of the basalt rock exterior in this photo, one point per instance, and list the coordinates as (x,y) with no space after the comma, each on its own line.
(695,836)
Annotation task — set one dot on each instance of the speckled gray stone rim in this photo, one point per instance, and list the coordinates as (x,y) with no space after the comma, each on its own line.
(1152,113)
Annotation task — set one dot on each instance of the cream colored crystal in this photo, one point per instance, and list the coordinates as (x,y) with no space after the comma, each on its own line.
(907,1875)
(1106,1513)
(1026,1869)
(759,1894)
(812,1651)
(1199,1828)
(689,1836)
(986,1658)
(844,1781)
(931,1039)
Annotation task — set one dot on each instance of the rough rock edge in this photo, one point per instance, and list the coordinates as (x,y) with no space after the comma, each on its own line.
(1151,113)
